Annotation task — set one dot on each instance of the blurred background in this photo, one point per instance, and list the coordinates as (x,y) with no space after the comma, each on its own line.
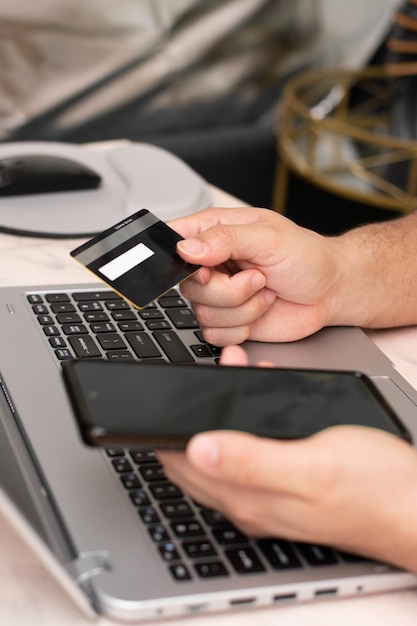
(202,79)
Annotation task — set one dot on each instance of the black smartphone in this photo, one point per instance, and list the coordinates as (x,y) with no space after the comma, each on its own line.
(161,405)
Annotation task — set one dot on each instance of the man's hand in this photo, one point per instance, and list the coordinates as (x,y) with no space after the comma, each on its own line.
(350,487)
(264,278)
(267,279)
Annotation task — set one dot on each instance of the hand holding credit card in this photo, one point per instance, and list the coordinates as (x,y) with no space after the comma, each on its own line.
(137,258)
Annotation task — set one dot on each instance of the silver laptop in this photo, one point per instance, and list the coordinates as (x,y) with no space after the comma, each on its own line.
(131,543)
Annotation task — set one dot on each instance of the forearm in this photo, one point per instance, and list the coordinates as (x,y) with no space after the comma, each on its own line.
(377,283)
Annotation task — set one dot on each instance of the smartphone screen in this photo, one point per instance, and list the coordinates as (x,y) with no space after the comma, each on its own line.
(163,405)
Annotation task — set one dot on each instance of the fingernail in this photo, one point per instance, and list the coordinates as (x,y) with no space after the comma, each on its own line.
(193,247)
(204,451)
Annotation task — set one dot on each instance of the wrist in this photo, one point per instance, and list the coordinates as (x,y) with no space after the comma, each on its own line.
(374,278)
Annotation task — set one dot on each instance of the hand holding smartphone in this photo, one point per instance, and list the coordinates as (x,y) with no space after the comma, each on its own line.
(161,405)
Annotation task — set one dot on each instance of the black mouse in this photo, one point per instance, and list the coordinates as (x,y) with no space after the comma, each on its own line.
(40,173)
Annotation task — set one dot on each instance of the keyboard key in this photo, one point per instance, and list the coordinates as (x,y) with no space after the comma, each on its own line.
(152,473)
(187,528)
(102,327)
(173,347)
(180,572)
(63,354)
(63,307)
(215,350)
(176,509)
(96,316)
(279,553)
(88,307)
(151,314)
(75,329)
(57,342)
(211,569)
(165,491)
(68,318)
(169,303)
(84,347)
(158,533)
(111,341)
(40,309)
(317,555)
(122,465)
(130,481)
(140,498)
(213,518)
(201,350)
(148,515)
(199,549)
(117,305)
(168,551)
(143,456)
(182,318)
(51,331)
(126,327)
(245,560)
(86,296)
(229,535)
(57,297)
(34,298)
(142,345)
(113,452)
(119,355)
(158,325)
(45,320)
(123,316)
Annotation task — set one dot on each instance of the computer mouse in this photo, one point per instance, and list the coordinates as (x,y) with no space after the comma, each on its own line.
(40,173)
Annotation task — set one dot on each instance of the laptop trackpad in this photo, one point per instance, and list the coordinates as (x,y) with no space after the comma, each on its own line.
(405,408)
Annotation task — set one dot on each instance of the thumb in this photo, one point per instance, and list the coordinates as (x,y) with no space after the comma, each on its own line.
(224,242)
(254,462)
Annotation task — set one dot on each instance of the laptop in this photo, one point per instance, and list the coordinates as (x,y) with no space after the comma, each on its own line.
(122,540)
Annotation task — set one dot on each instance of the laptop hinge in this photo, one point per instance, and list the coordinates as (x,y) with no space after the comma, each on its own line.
(89,564)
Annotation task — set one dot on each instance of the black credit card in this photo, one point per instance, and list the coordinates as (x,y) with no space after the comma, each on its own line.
(137,258)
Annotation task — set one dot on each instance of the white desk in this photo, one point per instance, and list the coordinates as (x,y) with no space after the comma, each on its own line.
(28,593)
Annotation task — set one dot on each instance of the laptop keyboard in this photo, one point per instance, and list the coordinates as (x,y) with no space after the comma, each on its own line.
(196,541)
(192,540)
(95,324)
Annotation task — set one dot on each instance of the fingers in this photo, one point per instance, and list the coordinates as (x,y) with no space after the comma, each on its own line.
(221,289)
(226,301)
(234,355)
(251,235)
(233,317)
(196,223)
(219,244)
(256,463)
(226,306)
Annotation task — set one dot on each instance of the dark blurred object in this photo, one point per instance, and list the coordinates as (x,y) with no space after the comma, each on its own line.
(399,57)
(329,213)
(384,106)
(239,159)
(340,163)
(348,149)
(38,173)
